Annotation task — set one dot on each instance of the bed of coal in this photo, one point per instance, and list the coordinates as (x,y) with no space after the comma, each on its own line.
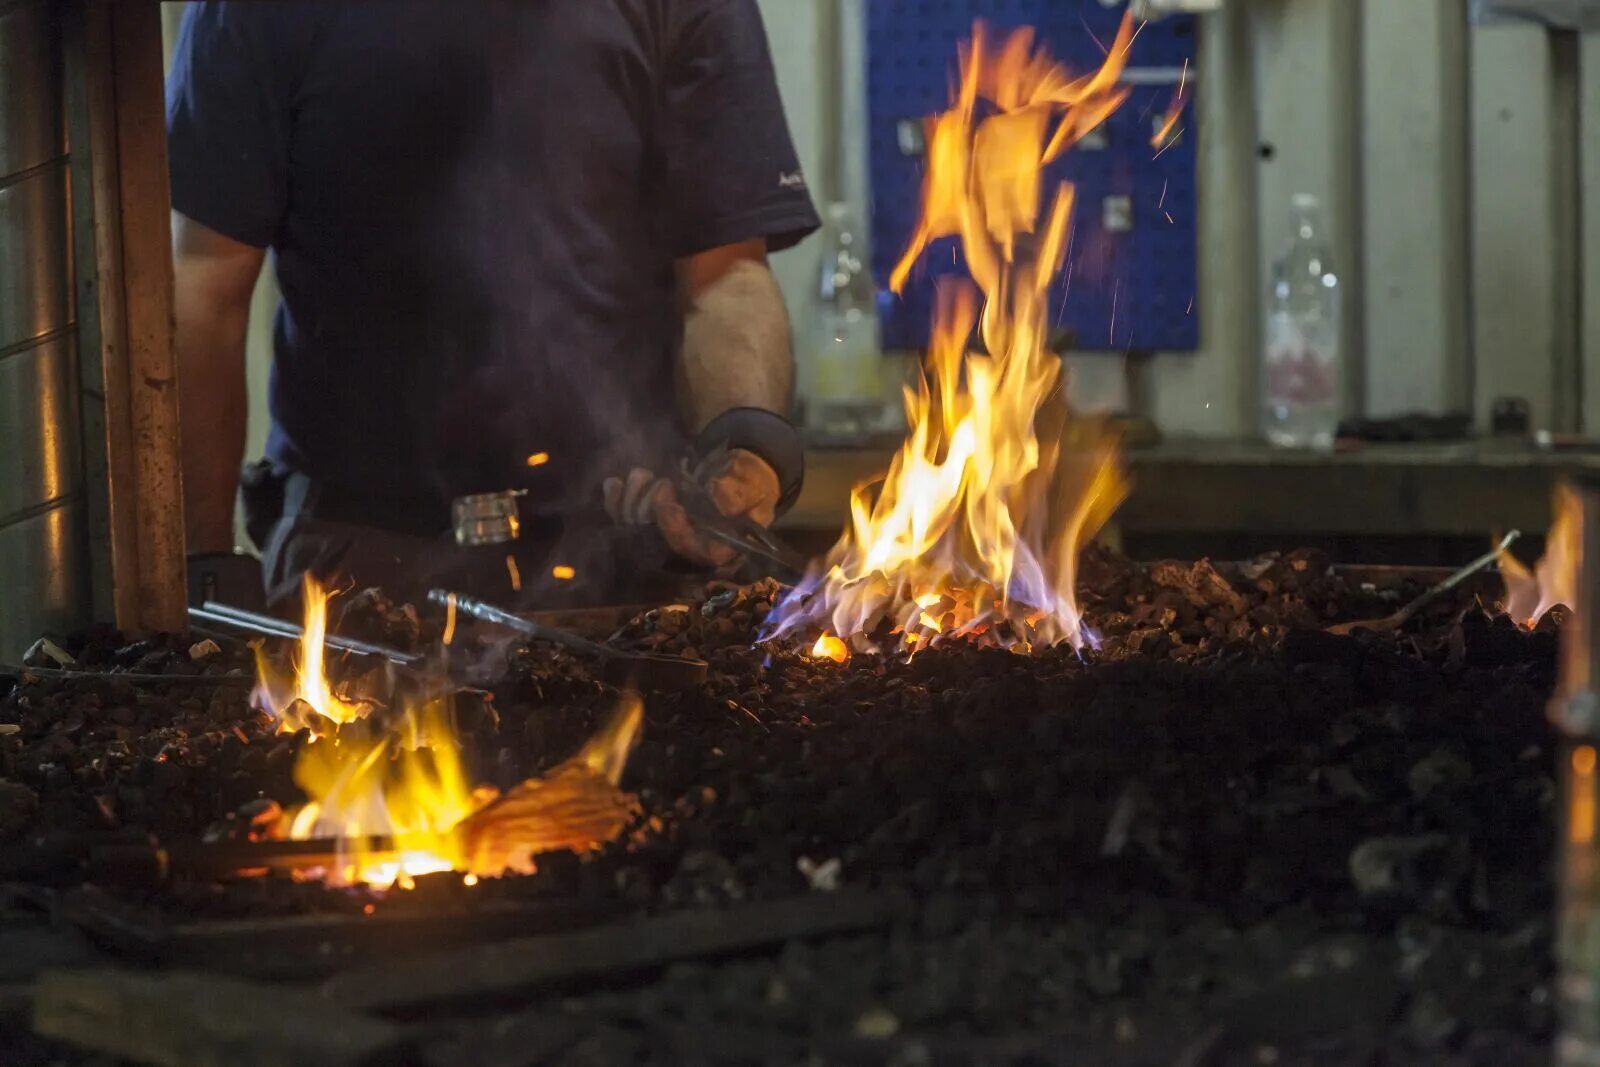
(1225,836)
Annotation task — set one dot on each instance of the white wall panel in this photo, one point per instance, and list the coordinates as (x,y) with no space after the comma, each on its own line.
(1414,150)
(1589,252)
(1520,348)
(1308,80)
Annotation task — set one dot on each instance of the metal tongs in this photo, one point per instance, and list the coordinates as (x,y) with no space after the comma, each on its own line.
(1403,616)
(740,531)
(644,670)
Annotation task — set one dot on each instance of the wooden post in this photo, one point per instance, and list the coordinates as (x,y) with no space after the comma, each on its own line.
(117,120)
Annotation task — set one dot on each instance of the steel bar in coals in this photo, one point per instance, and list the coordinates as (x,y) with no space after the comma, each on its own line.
(141,864)
(1575,710)
(214,614)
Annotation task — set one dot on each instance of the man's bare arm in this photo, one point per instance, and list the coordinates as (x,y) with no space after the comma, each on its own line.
(214,278)
(736,350)
(735,354)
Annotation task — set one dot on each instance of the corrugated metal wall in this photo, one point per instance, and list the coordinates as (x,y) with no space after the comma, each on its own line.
(42,571)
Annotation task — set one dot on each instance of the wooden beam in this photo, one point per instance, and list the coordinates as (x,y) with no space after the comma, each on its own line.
(190,1019)
(116,99)
(516,968)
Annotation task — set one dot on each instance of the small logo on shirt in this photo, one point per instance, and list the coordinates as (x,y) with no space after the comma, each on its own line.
(792,180)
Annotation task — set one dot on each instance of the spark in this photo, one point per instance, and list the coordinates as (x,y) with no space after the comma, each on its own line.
(1163,201)
(538,459)
(1170,222)
(1115,291)
(1170,142)
(1135,37)
(563,573)
(516,575)
(1097,42)
(1190,309)
(450,618)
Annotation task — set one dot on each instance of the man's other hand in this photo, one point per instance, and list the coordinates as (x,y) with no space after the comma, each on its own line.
(739,482)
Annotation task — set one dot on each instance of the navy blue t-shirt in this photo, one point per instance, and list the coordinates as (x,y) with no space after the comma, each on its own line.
(474,211)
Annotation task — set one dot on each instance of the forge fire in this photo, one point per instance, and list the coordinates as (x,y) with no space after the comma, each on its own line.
(975,530)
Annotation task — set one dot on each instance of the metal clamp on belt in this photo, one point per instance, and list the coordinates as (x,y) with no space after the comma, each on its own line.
(487,518)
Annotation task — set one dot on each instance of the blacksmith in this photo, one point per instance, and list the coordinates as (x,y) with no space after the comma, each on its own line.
(521,245)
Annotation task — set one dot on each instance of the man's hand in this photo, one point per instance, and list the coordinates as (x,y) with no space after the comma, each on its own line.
(740,483)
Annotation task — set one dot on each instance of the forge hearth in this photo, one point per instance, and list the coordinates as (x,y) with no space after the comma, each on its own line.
(1221,832)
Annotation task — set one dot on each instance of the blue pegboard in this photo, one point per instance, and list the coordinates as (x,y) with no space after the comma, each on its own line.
(1146,276)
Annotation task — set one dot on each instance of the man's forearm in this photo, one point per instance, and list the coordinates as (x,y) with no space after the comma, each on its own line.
(213,279)
(213,406)
(736,349)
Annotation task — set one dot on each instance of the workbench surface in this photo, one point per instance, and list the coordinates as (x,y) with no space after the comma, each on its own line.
(1215,486)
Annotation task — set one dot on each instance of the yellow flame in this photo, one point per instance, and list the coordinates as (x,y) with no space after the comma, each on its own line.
(277,692)
(996,488)
(408,788)
(1531,594)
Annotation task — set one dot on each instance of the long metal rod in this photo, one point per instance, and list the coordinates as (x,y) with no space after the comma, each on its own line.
(487,612)
(214,614)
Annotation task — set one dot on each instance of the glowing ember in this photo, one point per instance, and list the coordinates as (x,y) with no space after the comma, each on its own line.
(563,574)
(830,647)
(291,697)
(538,459)
(409,788)
(976,527)
(515,574)
(1531,594)
(575,805)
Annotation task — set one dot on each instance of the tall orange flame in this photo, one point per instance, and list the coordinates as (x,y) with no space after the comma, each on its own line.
(976,527)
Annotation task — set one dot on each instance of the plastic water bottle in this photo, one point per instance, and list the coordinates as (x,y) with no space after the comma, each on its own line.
(846,395)
(1300,372)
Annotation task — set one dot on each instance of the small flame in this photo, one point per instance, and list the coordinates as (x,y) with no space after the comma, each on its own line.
(996,488)
(1165,133)
(563,573)
(1531,594)
(287,697)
